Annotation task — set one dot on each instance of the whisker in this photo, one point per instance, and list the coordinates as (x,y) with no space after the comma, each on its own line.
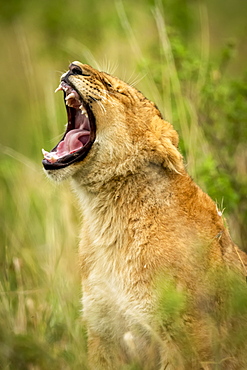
(108,92)
(109,66)
(136,80)
(100,96)
(100,104)
(130,78)
(61,72)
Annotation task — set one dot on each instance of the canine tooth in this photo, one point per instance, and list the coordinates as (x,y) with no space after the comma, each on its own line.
(51,157)
(58,88)
(70,96)
(44,152)
(83,110)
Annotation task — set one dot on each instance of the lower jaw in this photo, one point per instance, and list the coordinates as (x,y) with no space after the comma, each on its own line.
(64,162)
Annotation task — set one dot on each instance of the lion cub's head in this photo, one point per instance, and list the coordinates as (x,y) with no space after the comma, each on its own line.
(112,130)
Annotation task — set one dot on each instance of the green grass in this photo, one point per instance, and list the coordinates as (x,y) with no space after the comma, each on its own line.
(203,93)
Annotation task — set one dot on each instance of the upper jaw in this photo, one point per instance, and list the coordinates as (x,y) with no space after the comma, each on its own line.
(72,99)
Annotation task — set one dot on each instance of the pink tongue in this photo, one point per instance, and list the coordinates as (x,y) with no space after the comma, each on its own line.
(73,141)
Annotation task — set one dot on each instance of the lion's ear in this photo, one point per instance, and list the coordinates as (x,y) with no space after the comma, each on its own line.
(172,158)
(164,142)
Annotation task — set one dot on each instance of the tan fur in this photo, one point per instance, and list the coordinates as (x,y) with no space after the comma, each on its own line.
(145,222)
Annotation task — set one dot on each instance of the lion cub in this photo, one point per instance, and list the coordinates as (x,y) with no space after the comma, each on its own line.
(156,259)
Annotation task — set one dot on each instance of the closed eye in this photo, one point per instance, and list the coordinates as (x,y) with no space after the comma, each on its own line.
(108,84)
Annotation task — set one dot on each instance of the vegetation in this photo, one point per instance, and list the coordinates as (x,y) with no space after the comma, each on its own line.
(185,55)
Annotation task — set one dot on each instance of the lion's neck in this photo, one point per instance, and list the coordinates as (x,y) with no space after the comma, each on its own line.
(113,215)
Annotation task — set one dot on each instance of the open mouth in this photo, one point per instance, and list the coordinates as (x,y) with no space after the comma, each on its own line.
(79,135)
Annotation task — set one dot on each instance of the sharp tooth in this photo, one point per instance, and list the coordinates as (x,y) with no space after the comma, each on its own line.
(70,96)
(50,156)
(44,152)
(83,110)
(58,88)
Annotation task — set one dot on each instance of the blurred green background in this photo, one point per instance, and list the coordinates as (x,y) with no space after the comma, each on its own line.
(189,57)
